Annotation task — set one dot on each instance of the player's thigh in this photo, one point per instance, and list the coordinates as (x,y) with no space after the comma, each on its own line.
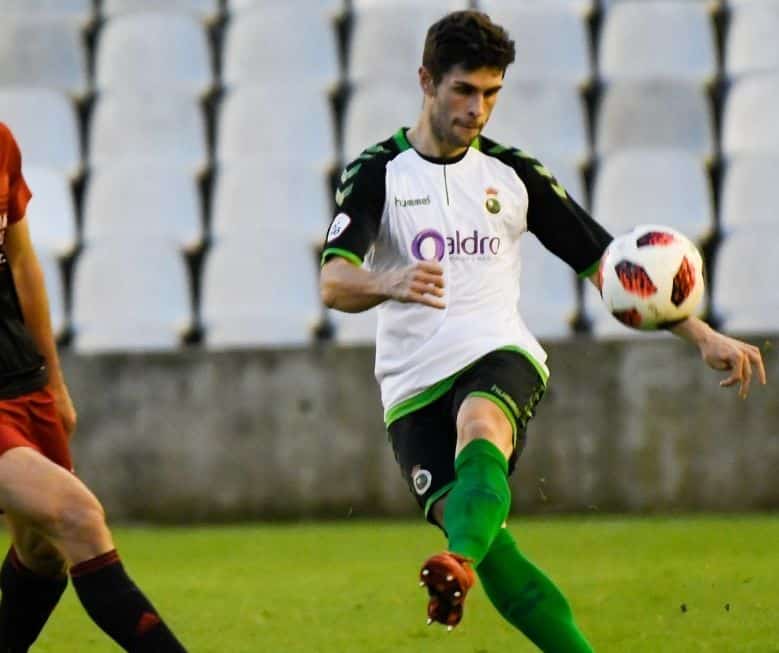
(494,400)
(424,444)
(43,494)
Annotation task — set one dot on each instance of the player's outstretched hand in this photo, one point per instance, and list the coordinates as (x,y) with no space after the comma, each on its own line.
(422,283)
(740,358)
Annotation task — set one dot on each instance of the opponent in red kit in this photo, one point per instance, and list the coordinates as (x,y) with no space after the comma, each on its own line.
(54,520)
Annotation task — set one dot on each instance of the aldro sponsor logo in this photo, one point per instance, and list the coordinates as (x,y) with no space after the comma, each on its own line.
(429,245)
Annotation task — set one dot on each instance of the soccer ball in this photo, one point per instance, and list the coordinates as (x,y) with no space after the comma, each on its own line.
(651,277)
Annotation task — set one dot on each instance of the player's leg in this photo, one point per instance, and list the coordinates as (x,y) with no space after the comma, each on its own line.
(32,580)
(58,506)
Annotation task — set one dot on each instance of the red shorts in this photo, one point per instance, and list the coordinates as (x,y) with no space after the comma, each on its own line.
(32,420)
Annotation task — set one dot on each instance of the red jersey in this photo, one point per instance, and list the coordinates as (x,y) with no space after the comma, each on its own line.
(22,368)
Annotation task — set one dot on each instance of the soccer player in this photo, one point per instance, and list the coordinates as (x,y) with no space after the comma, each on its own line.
(438,210)
(53,518)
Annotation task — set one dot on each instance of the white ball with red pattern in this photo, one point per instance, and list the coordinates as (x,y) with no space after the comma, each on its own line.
(651,277)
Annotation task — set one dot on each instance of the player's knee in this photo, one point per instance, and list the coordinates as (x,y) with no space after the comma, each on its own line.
(81,520)
(44,559)
(484,428)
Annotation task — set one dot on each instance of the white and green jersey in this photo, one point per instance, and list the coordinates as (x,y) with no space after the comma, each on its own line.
(396,207)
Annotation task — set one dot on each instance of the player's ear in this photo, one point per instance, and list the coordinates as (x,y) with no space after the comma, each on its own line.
(426,81)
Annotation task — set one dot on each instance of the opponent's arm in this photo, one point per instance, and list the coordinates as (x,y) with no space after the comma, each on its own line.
(347,287)
(34,302)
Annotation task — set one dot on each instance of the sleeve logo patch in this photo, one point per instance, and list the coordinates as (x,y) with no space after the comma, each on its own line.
(340,223)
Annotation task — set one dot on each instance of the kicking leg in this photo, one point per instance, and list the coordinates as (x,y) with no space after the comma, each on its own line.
(61,508)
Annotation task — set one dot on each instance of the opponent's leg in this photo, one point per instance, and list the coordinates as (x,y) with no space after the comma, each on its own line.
(528,599)
(32,580)
(476,507)
(62,509)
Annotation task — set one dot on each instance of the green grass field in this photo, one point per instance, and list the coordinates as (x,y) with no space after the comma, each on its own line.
(352,587)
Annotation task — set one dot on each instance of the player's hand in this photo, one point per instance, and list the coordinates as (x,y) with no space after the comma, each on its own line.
(422,283)
(65,408)
(741,359)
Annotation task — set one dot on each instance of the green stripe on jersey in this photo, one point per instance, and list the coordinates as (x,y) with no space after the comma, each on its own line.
(343,253)
(589,271)
(401,141)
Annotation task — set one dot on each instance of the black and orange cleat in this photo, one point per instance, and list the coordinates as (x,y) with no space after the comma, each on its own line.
(448,577)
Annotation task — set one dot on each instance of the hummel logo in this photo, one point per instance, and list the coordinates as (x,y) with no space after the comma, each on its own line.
(348,174)
(418,201)
(341,195)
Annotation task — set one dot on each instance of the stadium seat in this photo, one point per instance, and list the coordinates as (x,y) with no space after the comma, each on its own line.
(654,114)
(43,51)
(654,186)
(249,124)
(583,7)
(260,293)
(750,123)
(258,47)
(376,111)
(130,295)
(205,10)
(749,195)
(55,289)
(388,39)
(547,301)
(546,119)
(658,40)
(149,51)
(745,274)
(167,126)
(751,39)
(261,196)
(236,6)
(143,199)
(45,125)
(51,212)
(551,41)
(82,11)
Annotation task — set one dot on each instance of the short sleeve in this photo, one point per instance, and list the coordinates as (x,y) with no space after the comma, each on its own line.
(18,193)
(359,201)
(562,226)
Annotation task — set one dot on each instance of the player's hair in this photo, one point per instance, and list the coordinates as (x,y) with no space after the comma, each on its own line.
(469,39)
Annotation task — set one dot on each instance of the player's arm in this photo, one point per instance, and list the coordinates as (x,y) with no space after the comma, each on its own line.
(34,302)
(347,287)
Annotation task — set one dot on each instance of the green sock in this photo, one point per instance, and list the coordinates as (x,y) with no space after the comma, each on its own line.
(479,501)
(528,599)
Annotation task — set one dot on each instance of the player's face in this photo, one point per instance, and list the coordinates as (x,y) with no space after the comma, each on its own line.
(462,103)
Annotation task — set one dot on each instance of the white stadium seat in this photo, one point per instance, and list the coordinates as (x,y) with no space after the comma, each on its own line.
(130,295)
(168,126)
(236,6)
(749,194)
(388,39)
(260,293)
(259,48)
(376,111)
(551,41)
(750,123)
(55,290)
(547,301)
(51,212)
(45,125)
(546,119)
(206,10)
(654,186)
(81,10)
(154,51)
(751,41)
(261,196)
(658,40)
(583,7)
(654,114)
(745,274)
(143,199)
(250,124)
(43,51)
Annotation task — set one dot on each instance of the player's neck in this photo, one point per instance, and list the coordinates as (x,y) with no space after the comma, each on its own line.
(424,141)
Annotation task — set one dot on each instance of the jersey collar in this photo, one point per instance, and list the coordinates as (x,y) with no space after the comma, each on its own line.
(401,140)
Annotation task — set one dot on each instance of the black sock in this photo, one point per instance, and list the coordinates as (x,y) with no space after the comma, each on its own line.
(121,610)
(28,600)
